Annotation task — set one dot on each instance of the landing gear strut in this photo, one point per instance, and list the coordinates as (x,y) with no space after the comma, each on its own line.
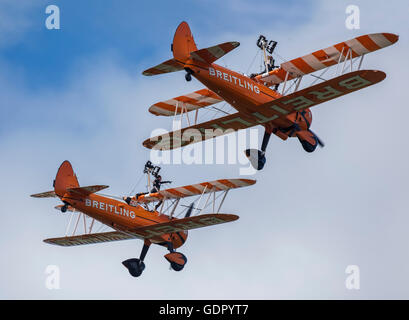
(136,266)
(177,260)
(256,157)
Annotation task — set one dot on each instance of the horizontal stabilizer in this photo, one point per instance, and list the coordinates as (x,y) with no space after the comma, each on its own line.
(211,54)
(330,56)
(47,194)
(84,191)
(196,189)
(88,239)
(188,102)
(177,225)
(165,67)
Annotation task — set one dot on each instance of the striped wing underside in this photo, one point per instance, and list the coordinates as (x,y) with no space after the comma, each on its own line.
(196,189)
(278,108)
(330,56)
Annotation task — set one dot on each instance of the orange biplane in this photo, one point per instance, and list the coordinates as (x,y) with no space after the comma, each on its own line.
(256,98)
(132,218)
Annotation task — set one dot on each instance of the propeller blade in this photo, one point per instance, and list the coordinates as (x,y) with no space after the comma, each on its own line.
(189,211)
(320,142)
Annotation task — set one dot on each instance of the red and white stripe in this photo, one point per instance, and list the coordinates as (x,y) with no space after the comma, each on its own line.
(197,189)
(329,56)
(192,101)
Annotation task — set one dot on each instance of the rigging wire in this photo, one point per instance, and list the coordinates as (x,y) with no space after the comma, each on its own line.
(252,62)
(137,183)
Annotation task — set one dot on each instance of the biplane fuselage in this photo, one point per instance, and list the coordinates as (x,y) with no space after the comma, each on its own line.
(242,92)
(121,216)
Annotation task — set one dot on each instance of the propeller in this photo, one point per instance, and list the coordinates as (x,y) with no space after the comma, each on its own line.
(320,142)
(189,211)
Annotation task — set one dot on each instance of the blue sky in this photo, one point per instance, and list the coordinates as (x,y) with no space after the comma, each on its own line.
(77,93)
(132,30)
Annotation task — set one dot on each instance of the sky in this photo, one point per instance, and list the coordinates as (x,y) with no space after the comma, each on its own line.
(77,93)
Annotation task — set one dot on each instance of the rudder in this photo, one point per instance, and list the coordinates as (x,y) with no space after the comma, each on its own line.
(183,42)
(65,179)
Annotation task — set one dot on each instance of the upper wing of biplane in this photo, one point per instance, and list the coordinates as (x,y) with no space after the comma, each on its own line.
(188,102)
(330,56)
(196,189)
(270,111)
(148,232)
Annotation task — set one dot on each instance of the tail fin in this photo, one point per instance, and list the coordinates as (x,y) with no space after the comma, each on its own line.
(183,44)
(65,179)
(184,48)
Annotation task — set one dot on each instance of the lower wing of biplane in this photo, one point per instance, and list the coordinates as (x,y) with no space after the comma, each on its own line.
(151,232)
(159,233)
(269,112)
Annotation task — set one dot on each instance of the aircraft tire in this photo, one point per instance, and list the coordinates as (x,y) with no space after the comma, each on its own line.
(176,266)
(134,266)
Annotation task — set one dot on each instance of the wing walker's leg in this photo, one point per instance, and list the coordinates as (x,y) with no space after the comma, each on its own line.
(136,266)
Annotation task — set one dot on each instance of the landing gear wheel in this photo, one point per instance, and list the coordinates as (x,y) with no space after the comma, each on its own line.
(134,266)
(257,158)
(176,267)
(177,260)
(188,76)
(64,208)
